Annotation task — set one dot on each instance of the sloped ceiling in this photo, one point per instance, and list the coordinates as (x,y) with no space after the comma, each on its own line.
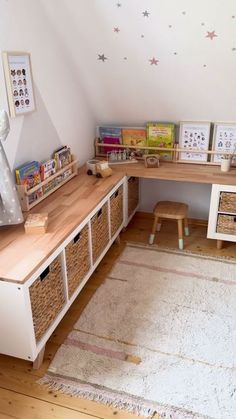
(141,60)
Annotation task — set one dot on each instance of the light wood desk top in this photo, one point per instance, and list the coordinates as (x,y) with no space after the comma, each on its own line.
(22,254)
(182,172)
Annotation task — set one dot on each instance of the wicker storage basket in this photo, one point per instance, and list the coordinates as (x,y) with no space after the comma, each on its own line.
(227,202)
(100,231)
(47,298)
(133,194)
(77,259)
(226,224)
(116,205)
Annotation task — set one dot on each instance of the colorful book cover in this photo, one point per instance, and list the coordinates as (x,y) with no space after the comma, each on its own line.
(110,135)
(134,136)
(161,135)
(62,157)
(28,174)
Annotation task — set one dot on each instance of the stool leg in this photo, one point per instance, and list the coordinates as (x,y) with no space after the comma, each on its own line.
(219,244)
(154,227)
(186,229)
(158,224)
(180,234)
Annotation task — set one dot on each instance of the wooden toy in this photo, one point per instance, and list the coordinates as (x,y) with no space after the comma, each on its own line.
(151,160)
(36,223)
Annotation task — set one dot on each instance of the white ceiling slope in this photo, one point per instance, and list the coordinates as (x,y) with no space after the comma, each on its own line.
(142,60)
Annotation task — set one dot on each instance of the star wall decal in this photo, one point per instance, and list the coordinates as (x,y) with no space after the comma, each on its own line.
(118,4)
(101,57)
(211,35)
(146,13)
(234,49)
(153,61)
(142,36)
(116,30)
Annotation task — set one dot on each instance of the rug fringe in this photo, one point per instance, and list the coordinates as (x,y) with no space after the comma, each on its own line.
(110,399)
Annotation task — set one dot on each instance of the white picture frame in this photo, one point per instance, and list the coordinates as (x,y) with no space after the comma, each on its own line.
(224,139)
(19,82)
(194,135)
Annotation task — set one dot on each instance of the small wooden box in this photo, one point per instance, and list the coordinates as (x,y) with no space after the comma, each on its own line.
(36,223)
(151,160)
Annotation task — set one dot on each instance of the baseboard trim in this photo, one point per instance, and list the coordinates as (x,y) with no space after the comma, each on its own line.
(191,221)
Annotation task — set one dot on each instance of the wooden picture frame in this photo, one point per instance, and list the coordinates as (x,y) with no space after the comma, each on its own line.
(19,82)
(224,139)
(194,135)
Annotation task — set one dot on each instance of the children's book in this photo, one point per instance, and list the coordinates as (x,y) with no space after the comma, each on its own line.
(62,157)
(28,174)
(110,135)
(134,136)
(161,135)
(47,169)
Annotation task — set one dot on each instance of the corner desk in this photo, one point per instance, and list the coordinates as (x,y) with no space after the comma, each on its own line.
(41,275)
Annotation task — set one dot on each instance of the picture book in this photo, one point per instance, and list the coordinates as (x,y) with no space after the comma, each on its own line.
(194,135)
(134,136)
(28,174)
(47,169)
(110,135)
(161,135)
(62,157)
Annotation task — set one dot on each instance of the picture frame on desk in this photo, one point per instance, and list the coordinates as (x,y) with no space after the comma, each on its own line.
(224,139)
(194,135)
(19,82)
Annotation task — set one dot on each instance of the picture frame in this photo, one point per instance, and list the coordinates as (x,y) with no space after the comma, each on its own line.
(19,82)
(224,139)
(194,135)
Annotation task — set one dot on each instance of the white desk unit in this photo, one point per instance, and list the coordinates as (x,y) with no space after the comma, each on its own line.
(41,275)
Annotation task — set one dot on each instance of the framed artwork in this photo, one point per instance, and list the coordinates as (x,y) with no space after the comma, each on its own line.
(224,139)
(19,82)
(194,135)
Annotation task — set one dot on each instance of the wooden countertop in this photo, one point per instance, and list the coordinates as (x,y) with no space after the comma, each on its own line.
(22,254)
(183,172)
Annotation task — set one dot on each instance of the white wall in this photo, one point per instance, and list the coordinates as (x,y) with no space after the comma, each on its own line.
(194,78)
(63,115)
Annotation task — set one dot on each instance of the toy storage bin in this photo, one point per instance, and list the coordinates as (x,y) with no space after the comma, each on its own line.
(227,202)
(100,231)
(133,194)
(116,205)
(226,224)
(47,297)
(77,259)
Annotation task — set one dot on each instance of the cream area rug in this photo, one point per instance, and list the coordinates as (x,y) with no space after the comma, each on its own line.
(159,335)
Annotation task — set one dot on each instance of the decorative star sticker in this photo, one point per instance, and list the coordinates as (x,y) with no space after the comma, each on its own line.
(102,57)
(154,61)
(146,14)
(116,30)
(233,17)
(233,49)
(118,4)
(211,35)
(142,36)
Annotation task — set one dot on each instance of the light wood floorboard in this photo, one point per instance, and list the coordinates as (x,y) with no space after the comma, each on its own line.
(21,396)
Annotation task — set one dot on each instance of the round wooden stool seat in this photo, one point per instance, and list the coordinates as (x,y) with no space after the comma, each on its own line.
(172,210)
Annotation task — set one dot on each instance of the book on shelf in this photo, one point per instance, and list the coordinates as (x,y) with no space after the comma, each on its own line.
(161,135)
(48,168)
(134,136)
(62,157)
(28,174)
(110,135)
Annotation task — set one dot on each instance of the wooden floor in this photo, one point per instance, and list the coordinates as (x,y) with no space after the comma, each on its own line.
(22,397)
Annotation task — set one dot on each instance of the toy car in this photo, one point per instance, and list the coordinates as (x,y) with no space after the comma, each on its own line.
(99,168)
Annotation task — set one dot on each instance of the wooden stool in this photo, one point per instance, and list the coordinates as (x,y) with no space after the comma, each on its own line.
(174,211)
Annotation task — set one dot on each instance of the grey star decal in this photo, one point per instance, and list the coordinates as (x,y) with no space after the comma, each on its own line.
(146,14)
(102,57)
(234,49)
(118,4)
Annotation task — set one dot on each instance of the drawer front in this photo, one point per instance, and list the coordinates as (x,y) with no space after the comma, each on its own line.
(100,231)
(47,298)
(227,202)
(133,194)
(116,206)
(226,224)
(77,259)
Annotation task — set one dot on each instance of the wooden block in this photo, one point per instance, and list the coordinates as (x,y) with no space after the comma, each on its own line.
(36,223)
